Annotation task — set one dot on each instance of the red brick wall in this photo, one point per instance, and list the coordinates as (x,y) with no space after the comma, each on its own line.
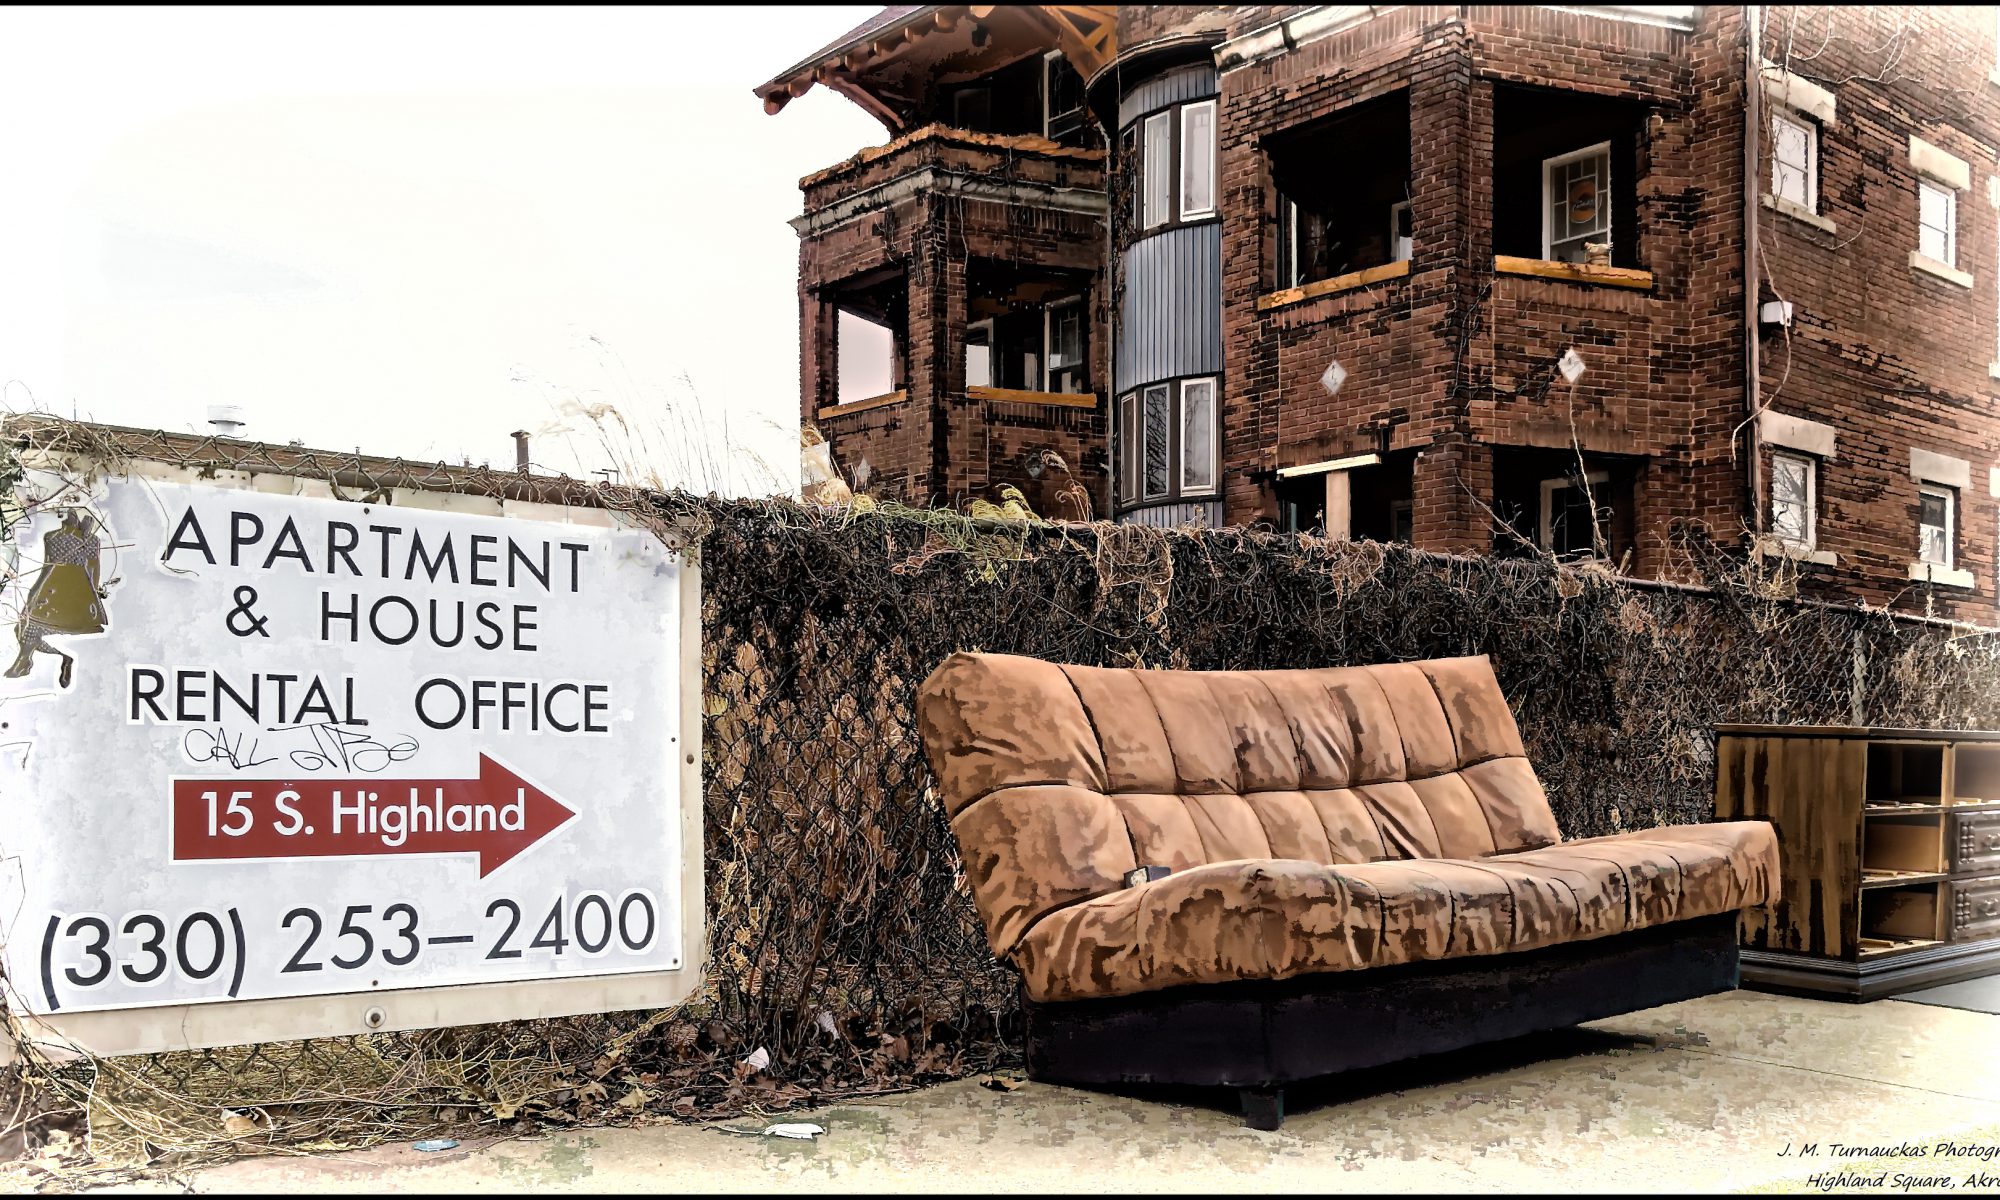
(1890,356)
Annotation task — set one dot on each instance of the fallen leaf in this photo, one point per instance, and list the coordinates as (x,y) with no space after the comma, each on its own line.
(634,1099)
(1001,1083)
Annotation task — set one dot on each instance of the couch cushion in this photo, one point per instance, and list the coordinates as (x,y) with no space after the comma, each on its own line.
(1276,918)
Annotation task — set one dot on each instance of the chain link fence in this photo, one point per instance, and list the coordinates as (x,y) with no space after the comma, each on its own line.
(844,955)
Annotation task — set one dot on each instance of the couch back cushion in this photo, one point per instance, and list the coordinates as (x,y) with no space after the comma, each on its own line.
(1060,779)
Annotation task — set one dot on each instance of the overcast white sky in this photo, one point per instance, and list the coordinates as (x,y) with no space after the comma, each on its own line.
(415,230)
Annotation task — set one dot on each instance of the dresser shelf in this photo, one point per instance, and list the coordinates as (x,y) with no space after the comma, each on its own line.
(1889,854)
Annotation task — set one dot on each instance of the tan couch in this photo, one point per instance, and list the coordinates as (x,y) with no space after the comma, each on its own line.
(1313,822)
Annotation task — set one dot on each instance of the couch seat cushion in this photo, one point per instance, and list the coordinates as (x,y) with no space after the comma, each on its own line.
(1275,918)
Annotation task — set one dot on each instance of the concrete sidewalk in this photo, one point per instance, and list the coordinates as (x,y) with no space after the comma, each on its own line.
(1705,1095)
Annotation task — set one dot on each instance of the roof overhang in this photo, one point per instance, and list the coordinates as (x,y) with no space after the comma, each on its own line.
(890,62)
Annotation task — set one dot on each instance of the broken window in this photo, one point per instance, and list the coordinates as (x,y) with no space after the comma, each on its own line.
(1573,521)
(1546,503)
(1565,175)
(1795,160)
(1062,99)
(1793,496)
(1343,192)
(1006,101)
(1936,515)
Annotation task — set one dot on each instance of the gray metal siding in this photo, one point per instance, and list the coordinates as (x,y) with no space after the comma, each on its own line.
(1183,83)
(1206,513)
(1170,318)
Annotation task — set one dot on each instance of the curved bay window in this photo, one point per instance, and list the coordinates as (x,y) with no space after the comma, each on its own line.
(1167,442)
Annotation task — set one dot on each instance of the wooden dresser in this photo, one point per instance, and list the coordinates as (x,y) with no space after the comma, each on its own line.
(1889,852)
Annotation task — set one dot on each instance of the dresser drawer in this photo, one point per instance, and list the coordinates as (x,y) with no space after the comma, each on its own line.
(1975,909)
(1975,842)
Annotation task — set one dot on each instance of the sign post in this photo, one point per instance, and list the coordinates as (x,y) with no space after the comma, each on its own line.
(282,765)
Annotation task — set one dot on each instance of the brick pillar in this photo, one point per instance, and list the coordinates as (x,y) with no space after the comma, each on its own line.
(936,339)
(1444,514)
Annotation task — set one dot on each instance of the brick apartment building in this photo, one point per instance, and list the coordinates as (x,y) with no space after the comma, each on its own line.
(1467,276)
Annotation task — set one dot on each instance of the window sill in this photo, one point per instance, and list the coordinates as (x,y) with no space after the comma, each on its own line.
(861,406)
(1770,546)
(1338,283)
(1624,277)
(1798,212)
(1993,76)
(1017,396)
(1993,370)
(1932,266)
(1931,573)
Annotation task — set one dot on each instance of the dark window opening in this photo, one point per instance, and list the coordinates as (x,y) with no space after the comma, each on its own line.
(869,347)
(1379,500)
(1344,196)
(1546,502)
(1027,330)
(1565,179)
(1006,101)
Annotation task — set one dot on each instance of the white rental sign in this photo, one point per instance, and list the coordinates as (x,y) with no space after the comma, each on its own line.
(261,747)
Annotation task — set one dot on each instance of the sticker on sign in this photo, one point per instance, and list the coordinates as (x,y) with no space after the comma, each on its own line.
(263,746)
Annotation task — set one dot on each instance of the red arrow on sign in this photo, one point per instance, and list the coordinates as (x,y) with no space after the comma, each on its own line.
(496,816)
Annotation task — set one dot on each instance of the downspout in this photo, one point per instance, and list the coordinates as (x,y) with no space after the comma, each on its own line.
(1752,364)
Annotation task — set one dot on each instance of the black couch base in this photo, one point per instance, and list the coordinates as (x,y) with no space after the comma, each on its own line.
(1259,1036)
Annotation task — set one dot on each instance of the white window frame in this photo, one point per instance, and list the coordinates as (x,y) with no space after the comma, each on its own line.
(1811,168)
(1950,495)
(1150,172)
(1214,438)
(1131,460)
(1397,253)
(1545,529)
(971,327)
(1950,194)
(1048,340)
(1811,465)
(1548,197)
(1166,391)
(1187,160)
(1288,229)
(1048,60)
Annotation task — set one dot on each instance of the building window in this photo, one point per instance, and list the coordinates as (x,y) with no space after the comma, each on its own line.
(1197,436)
(1399,231)
(1063,346)
(1576,202)
(979,354)
(1128,448)
(1937,222)
(1062,98)
(1172,174)
(1155,434)
(1156,172)
(1568,528)
(1794,499)
(1795,160)
(1936,524)
(1168,441)
(1402,521)
(1198,160)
